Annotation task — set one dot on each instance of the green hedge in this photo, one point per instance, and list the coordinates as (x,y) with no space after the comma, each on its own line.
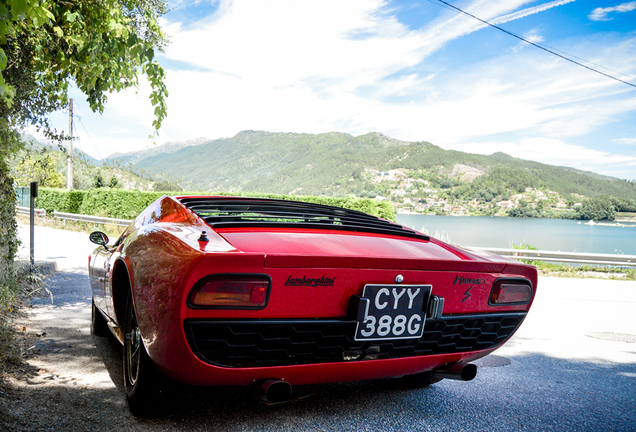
(59,199)
(127,204)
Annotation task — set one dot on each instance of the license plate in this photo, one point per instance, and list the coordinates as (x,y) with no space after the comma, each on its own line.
(392,312)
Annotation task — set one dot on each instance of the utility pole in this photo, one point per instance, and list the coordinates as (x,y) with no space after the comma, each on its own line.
(69,178)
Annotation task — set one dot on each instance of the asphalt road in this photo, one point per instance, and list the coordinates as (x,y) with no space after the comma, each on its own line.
(571,367)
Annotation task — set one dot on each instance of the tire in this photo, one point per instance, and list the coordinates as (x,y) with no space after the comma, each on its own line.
(142,380)
(99,325)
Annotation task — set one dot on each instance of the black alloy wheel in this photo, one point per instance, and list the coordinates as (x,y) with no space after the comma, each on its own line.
(142,380)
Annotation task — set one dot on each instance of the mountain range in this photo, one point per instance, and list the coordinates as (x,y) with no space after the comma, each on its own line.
(336,163)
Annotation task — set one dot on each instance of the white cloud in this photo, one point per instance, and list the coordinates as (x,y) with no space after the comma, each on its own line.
(529,11)
(351,66)
(601,14)
(303,69)
(534,36)
(303,72)
(555,152)
(625,141)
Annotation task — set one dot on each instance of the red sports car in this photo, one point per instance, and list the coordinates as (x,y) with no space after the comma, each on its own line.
(271,293)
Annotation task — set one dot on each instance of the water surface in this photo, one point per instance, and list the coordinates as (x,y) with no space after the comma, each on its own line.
(544,234)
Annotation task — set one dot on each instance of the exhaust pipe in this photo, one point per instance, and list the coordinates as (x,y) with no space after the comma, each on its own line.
(457,371)
(273,390)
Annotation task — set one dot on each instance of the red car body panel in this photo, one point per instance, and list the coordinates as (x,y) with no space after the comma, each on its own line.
(164,259)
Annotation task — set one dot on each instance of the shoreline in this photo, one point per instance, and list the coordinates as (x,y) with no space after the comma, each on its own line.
(617,222)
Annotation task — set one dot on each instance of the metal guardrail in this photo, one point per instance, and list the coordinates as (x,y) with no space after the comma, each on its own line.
(91,219)
(531,255)
(567,257)
(27,211)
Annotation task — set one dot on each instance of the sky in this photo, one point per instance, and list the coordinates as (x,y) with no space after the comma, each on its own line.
(413,70)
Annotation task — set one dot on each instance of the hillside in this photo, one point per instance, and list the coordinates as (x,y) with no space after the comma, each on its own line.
(47,164)
(169,147)
(413,176)
(337,164)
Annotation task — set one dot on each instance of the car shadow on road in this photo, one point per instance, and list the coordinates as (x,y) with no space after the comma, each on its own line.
(533,392)
(527,391)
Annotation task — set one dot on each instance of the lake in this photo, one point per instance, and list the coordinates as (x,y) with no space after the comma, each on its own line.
(544,234)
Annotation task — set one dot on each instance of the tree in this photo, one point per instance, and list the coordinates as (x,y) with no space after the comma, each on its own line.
(522,212)
(164,185)
(40,168)
(99,180)
(101,46)
(598,208)
(45,45)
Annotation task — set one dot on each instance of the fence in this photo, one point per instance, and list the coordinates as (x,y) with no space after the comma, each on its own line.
(566,257)
(91,219)
(522,254)
(27,211)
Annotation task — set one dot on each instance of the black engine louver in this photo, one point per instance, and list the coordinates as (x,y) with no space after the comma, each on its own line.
(262,212)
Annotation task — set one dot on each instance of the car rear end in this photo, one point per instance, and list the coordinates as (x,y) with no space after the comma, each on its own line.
(304,302)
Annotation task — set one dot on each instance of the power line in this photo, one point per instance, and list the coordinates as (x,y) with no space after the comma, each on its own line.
(536,45)
(89,136)
(79,142)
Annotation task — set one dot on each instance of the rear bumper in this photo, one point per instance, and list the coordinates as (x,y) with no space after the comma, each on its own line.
(267,343)
(239,352)
(195,372)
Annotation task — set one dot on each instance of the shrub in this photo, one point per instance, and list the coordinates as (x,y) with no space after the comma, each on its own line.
(127,204)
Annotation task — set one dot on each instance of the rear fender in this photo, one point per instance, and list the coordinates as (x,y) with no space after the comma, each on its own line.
(122,285)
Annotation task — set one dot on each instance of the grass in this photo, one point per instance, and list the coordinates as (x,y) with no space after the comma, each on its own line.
(582,271)
(15,286)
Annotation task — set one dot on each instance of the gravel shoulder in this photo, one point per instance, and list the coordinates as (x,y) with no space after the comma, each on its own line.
(65,381)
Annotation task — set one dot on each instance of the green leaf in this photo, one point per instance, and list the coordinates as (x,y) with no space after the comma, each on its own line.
(132,40)
(19,8)
(3,60)
(71,17)
(7,92)
(58,31)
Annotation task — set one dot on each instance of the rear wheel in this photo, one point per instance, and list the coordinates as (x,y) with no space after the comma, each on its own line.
(99,326)
(142,380)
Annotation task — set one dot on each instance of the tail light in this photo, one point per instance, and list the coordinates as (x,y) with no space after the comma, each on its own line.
(511,292)
(233,291)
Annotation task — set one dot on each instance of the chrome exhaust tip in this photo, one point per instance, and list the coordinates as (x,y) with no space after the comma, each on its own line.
(273,390)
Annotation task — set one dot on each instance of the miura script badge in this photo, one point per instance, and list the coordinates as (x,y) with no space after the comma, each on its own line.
(392,312)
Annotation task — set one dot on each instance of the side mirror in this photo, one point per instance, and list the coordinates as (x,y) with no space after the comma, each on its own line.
(99,238)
